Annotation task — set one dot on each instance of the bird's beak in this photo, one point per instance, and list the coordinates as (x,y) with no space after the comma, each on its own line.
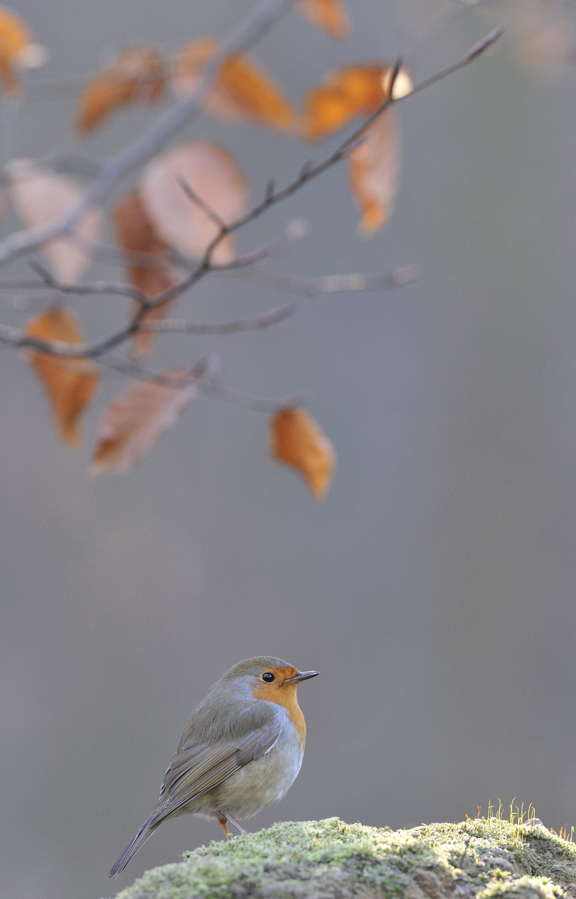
(304,675)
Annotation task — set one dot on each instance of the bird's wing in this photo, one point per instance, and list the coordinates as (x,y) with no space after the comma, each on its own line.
(197,768)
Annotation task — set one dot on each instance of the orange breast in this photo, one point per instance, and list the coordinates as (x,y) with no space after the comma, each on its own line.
(284,695)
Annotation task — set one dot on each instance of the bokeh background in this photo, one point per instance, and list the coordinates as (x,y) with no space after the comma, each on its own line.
(434,589)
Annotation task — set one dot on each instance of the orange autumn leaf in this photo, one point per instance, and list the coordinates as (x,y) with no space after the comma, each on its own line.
(69,383)
(242,91)
(135,234)
(137,74)
(348,93)
(137,419)
(299,441)
(15,46)
(14,33)
(340,97)
(40,197)
(373,165)
(374,171)
(213,176)
(330,15)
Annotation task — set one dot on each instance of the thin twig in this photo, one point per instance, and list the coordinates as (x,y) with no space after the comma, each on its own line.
(177,326)
(328,284)
(208,367)
(85,166)
(206,209)
(115,288)
(475,51)
(256,404)
(209,376)
(294,231)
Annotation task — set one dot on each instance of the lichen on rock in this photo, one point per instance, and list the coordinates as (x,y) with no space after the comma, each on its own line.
(477,859)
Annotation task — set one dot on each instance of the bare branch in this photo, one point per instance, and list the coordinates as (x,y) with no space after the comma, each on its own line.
(176,326)
(256,404)
(209,376)
(151,141)
(327,284)
(84,166)
(146,146)
(89,288)
(17,337)
(208,367)
(295,230)
(475,51)
(309,171)
(211,213)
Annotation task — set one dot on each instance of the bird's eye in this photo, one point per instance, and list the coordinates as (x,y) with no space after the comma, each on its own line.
(268,677)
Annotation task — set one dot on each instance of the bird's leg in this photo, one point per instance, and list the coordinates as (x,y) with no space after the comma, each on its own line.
(223,822)
(231,820)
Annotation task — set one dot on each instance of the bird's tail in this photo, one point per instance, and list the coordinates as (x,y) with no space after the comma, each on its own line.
(138,840)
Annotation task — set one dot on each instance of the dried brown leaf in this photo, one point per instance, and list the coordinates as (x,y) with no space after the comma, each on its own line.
(329,15)
(137,74)
(213,176)
(342,96)
(348,93)
(135,234)
(374,171)
(39,197)
(242,92)
(69,383)
(299,441)
(136,420)
(15,37)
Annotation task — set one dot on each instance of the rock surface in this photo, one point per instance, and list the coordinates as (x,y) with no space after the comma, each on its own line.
(477,859)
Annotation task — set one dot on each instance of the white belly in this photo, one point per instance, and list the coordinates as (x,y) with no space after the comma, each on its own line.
(257,785)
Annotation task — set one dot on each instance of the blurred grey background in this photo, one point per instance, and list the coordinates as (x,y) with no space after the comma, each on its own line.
(434,589)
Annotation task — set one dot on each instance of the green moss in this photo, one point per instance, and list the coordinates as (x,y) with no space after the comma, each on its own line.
(478,859)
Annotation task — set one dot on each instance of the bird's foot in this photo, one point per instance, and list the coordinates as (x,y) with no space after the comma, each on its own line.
(228,819)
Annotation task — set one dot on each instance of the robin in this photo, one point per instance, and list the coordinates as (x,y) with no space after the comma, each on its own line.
(241,750)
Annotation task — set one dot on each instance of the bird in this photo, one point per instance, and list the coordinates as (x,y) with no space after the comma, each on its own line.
(241,750)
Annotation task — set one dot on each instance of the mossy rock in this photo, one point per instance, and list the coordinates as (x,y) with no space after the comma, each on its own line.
(478,859)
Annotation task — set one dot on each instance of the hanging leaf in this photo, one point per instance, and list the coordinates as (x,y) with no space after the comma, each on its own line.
(137,419)
(374,171)
(329,15)
(135,234)
(349,93)
(213,176)
(373,165)
(136,75)
(242,91)
(39,197)
(69,383)
(299,441)
(17,51)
